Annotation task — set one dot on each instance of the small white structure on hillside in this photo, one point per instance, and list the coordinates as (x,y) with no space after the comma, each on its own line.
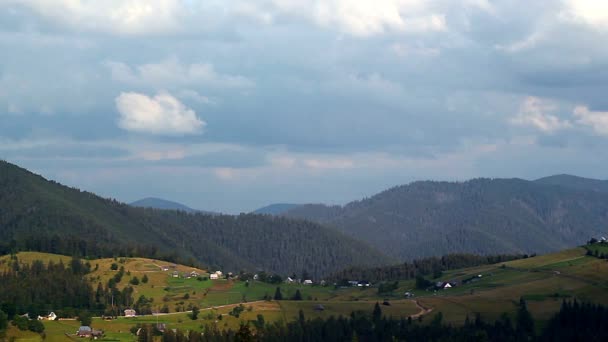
(290,280)
(49,317)
(213,276)
(216,275)
(130,313)
(307,282)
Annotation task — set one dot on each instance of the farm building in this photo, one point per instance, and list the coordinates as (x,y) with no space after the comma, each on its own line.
(130,313)
(84,331)
(307,282)
(50,317)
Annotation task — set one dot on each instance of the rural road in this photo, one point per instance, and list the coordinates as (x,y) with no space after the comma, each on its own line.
(423,311)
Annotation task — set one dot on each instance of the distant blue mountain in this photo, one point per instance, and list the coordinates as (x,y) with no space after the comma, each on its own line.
(276,209)
(159,203)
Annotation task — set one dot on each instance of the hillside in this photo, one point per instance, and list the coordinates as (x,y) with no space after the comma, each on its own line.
(159,203)
(490,290)
(481,216)
(574,182)
(275,209)
(41,215)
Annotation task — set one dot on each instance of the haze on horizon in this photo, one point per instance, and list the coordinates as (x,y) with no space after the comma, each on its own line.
(232,105)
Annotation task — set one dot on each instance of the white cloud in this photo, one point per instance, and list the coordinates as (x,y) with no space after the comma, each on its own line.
(598,121)
(171,72)
(130,17)
(365,18)
(591,12)
(162,114)
(536,112)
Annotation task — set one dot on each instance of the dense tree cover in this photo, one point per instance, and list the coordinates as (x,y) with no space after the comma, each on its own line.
(481,216)
(574,322)
(578,322)
(38,289)
(432,266)
(40,215)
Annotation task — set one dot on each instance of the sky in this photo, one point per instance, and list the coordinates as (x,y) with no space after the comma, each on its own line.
(232,105)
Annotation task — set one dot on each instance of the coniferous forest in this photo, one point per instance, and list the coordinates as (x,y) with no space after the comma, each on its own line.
(574,322)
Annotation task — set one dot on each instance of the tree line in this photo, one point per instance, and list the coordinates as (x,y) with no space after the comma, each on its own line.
(574,322)
(433,266)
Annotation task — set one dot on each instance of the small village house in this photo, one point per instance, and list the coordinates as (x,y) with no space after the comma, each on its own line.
(50,317)
(307,282)
(84,331)
(130,313)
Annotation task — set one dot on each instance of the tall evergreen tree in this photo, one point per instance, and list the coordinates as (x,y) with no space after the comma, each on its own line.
(277,294)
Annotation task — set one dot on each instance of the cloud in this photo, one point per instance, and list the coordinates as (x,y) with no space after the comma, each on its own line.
(125,17)
(598,121)
(162,114)
(590,12)
(171,73)
(536,112)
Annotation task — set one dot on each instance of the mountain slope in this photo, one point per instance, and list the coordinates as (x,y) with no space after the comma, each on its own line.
(480,216)
(575,182)
(41,215)
(276,208)
(159,203)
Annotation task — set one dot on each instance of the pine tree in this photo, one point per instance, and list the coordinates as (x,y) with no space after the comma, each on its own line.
(525,323)
(377,314)
(277,294)
(298,295)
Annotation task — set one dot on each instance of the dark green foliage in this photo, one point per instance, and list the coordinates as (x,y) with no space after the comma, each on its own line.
(35,326)
(377,313)
(237,310)
(578,322)
(114,266)
(41,215)
(481,216)
(134,281)
(421,267)
(388,287)
(297,295)
(3,320)
(422,283)
(277,294)
(85,318)
(195,312)
(38,288)
(524,323)
(144,279)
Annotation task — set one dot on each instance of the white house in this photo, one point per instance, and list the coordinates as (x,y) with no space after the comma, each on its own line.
(307,282)
(213,276)
(130,313)
(289,280)
(50,317)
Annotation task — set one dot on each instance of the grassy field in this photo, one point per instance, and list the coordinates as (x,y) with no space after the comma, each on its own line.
(544,281)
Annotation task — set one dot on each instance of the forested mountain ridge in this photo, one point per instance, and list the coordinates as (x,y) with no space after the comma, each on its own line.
(480,216)
(159,203)
(275,209)
(41,215)
(575,182)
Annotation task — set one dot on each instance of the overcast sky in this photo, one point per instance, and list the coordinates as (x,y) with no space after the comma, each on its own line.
(231,105)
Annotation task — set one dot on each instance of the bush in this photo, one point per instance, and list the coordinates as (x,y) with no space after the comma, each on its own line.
(114,266)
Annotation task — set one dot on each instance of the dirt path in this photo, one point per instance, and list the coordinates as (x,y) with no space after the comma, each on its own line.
(423,311)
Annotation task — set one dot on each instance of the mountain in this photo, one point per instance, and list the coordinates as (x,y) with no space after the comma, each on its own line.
(575,182)
(41,215)
(276,209)
(159,203)
(480,216)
